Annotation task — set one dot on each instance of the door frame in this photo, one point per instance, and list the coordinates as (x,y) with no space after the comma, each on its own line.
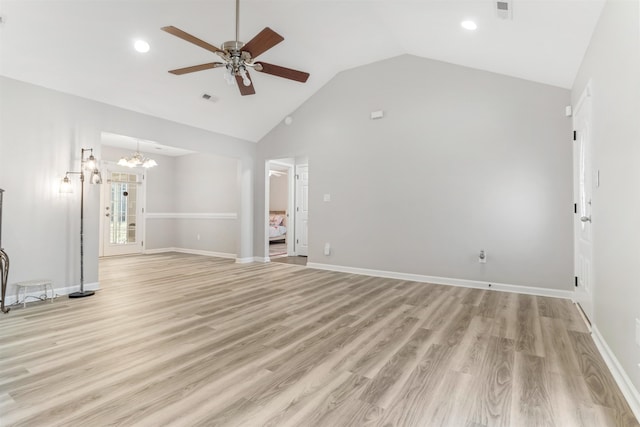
(584,299)
(298,227)
(108,167)
(290,205)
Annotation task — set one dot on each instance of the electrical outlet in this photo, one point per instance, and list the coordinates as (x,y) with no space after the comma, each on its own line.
(638,331)
(327,249)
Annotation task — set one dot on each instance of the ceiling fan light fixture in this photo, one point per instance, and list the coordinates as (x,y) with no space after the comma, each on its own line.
(228,75)
(236,56)
(245,77)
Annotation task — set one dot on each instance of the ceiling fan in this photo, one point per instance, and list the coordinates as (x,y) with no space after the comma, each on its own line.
(238,57)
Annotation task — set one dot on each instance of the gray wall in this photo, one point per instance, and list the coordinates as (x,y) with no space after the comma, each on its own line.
(190,184)
(41,133)
(203,186)
(463,160)
(612,62)
(203,183)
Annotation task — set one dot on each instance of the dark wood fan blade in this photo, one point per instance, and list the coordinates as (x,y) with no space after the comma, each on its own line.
(287,73)
(195,68)
(191,39)
(262,42)
(245,90)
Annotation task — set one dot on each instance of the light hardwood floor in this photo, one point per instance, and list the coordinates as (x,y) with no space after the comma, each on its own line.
(178,339)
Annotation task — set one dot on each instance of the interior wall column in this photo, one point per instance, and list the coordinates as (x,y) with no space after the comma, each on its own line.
(245,181)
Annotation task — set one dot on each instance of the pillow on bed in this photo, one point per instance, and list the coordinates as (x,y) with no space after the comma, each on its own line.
(275,220)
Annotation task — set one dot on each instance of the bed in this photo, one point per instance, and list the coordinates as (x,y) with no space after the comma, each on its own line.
(277,226)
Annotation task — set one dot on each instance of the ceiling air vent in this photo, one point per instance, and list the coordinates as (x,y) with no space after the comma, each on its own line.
(503,9)
(208,97)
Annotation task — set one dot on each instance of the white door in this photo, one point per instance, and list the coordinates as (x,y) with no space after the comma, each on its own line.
(122,213)
(302,210)
(583,190)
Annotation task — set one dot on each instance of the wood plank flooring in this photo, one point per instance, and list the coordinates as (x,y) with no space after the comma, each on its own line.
(187,340)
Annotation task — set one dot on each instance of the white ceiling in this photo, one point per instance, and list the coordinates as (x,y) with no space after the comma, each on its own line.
(141,145)
(84,47)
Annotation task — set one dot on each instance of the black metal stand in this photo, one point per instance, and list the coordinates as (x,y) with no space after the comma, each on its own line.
(81,294)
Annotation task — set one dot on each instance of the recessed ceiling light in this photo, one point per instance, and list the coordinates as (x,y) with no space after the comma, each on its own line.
(469,25)
(141,46)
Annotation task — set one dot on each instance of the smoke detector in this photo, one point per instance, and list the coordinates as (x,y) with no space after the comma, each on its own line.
(504,9)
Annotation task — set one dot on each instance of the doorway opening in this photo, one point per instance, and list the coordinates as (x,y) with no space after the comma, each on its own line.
(282,229)
(122,209)
(279,203)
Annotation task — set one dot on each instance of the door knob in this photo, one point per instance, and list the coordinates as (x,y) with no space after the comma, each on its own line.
(106,214)
(585,219)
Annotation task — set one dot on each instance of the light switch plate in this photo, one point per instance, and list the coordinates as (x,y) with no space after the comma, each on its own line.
(327,197)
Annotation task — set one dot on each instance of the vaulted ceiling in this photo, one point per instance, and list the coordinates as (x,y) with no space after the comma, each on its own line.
(85,48)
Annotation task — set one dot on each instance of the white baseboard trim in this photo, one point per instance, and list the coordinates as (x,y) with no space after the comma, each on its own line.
(622,379)
(190,251)
(199,252)
(528,290)
(37,293)
(261,259)
(188,215)
(157,251)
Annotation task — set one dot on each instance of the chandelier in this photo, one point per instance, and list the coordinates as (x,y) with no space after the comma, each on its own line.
(137,159)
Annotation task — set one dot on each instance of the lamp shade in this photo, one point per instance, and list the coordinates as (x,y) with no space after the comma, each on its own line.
(65,185)
(90,164)
(96,177)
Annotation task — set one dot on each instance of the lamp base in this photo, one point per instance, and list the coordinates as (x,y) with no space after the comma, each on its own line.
(81,294)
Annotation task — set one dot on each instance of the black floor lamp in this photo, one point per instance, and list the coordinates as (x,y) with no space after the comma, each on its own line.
(90,165)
